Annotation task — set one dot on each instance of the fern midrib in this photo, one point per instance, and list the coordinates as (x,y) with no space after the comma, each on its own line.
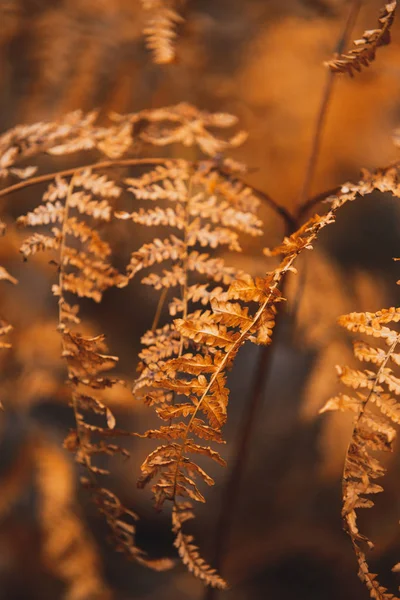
(104,164)
(61,299)
(365,402)
(242,338)
(184,259)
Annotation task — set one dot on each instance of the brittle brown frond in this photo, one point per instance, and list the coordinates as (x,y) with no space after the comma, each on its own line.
(364,50)
(84,271)
(189,552)
(205,344)
(372,430)
(185,124)
(159,30)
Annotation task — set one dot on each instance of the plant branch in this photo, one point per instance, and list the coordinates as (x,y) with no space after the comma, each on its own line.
(314,200)
(289,219)
(132,162)
(159,308)
(105,164)
(324,107)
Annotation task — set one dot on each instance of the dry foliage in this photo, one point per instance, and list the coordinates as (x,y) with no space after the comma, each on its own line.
(364,50)
(210,207)
(373,429)
(214,307)
(162,18)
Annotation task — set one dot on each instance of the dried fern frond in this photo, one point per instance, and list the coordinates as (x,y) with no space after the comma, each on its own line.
(74,206)
(161,21)
(207,207)
(373,429)
(196,212)
(75,132)
(25,141)
(220,208)
(195,193)
(383,180)
(184,124)
(188,551)
(79,132)
(191,357)
(365,48)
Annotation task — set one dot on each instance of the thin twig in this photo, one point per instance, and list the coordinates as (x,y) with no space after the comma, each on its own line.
(131,162)
(159,308)
(316,144)
(290,220)
(321,196)
(314,200)
(105,164)
(324,106)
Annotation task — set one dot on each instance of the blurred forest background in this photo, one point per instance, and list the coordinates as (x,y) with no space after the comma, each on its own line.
(261,60)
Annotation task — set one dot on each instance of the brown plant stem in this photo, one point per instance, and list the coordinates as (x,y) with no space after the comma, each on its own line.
(324,107)
(317,138)
(321,196)
(314,200)
(289,219)
(252,409)
(159,308)
(104,164)
(129,162)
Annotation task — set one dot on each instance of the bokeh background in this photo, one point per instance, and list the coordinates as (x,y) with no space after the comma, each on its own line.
(261,60)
